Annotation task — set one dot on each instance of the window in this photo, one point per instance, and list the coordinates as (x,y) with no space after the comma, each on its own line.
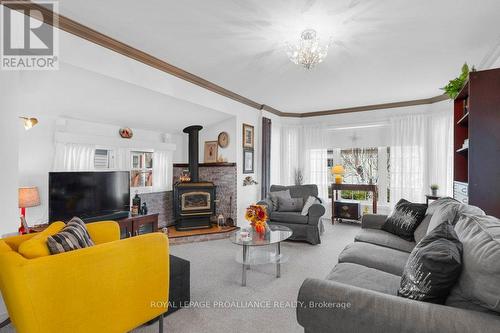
(141,171)
(103,159)
(362,166)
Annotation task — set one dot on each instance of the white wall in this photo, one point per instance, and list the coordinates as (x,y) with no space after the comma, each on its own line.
(37,150)
(181,143)
(10,126)
(496,64)
(36,156)
(211,133)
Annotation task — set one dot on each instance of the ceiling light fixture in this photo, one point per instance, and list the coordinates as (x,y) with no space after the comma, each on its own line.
(308,51)
(29,122)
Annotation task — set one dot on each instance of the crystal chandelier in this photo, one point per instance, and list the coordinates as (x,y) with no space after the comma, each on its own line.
(308,51)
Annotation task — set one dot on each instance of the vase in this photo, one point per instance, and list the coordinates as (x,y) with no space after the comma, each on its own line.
(261,234)
(434,192)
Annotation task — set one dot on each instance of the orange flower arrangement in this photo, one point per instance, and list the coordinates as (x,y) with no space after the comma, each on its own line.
(257,216)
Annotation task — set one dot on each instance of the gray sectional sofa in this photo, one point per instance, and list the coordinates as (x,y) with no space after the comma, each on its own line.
(360,293)
(305,227)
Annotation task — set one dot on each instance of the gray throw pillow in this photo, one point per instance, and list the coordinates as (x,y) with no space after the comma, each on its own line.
(421,230)
(309,202)
(449,210)
(274,196)
(290,205)
(479,281)
(439,204)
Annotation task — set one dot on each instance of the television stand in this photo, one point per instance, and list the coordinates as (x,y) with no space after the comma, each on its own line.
(108,217)
(134,225)
(130,225)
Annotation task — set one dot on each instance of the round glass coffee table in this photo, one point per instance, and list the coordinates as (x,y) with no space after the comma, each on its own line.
(263,255)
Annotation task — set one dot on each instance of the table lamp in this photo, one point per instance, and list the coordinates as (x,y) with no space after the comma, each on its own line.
(338,171)
(28,197)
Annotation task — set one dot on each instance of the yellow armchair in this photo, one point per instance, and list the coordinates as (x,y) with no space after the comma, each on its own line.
(114,286)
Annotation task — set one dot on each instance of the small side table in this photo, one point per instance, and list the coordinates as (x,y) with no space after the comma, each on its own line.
(353,187)
(431,197)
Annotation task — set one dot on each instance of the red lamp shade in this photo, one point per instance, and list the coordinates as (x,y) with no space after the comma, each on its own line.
(28,197)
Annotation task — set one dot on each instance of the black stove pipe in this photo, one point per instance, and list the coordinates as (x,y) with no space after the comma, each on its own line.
(193,131)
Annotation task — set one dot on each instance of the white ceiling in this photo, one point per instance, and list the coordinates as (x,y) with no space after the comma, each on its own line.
(101,99)
(382,51)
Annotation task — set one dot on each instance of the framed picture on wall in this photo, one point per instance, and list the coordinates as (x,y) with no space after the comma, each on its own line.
(248,160)
(211,151)
(248,136)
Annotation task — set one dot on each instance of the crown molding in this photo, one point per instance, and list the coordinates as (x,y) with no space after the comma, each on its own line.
(392,105)
(77,29)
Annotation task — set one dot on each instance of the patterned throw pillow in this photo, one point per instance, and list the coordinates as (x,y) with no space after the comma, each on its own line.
(405,219)
(73,236)
(433,266)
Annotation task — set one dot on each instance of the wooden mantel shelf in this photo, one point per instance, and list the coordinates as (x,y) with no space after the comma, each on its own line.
(204,165)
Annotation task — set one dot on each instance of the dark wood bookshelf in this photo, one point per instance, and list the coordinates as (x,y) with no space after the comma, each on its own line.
(477,118)
(464,121)
(464,93)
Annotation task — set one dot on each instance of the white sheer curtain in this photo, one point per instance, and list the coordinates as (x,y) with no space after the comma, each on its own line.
(421,154)
(408,159)
(290,154)
(304,148)
(162,171)
(317,170)
(315,158)
(440,152)
(74,157)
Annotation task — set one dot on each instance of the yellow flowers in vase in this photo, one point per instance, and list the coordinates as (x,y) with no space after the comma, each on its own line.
(257,216)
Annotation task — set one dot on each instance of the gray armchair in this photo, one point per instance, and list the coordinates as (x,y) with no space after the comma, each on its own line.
(305,228)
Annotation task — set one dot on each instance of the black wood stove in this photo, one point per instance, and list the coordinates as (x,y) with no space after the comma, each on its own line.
(194,202)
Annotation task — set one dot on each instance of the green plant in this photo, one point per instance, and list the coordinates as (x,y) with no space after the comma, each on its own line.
(434,187)
(454,86)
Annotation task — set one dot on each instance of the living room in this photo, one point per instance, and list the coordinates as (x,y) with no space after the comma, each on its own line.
(291,166)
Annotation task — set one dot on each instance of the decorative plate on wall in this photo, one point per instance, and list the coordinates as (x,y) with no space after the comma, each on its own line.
(223,139)
(126,133)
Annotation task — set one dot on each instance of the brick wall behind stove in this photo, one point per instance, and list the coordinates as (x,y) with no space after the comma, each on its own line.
(224,177)
(161,203)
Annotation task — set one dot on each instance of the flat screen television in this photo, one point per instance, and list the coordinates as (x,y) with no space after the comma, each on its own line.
(88,195)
